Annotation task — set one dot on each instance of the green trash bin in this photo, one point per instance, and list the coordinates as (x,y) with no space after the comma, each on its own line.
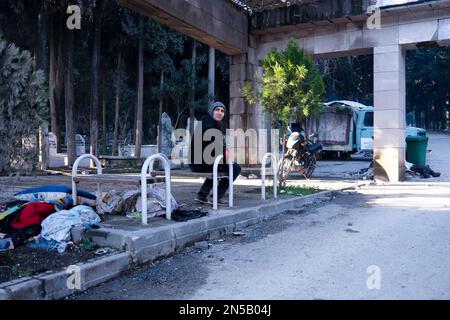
(416,149)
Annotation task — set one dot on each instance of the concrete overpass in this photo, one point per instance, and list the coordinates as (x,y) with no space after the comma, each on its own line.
(413,25)
(325,28)
(218,23)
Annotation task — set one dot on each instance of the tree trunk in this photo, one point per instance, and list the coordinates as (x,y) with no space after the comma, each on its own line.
(54,107)
(95,77)
(103,119)
(42,39)
(69,100)
(161,103)
(117,106)
(59,81)
(192,94)
(104,97)
(43,146)
(140,95)
(417,117)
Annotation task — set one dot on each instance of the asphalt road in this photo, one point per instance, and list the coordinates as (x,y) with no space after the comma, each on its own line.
(381,242)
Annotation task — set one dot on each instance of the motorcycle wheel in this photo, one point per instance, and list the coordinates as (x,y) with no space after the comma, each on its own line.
(284,169)
(310,166)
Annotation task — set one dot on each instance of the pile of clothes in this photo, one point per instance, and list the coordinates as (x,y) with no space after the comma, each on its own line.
(40,213)
(128,202)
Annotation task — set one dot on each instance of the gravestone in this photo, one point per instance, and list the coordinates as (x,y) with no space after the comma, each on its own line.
(52,143)
(55,159)
(166,135)
(180,152)
(80,144)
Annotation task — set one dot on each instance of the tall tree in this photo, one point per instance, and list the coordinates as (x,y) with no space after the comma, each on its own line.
(97,22)
(42,38)
(179,84)
(192,96)
(290,84)
(117,95)
(22,108)
(69,99)
(56,69)
(140,91)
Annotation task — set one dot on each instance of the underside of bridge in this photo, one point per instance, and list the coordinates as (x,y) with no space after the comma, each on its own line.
(248,29)
(219,23)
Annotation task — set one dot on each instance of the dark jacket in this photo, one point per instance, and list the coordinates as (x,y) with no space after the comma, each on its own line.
(207,123)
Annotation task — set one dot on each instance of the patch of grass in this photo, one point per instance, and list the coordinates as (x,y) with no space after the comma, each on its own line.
(295,190)
(16,271)
(88,245)
(134,215)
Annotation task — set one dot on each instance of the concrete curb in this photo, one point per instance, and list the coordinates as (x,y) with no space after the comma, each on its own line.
(147,245)
(57,285)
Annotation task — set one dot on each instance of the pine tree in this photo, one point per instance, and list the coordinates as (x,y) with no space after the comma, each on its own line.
(23,105)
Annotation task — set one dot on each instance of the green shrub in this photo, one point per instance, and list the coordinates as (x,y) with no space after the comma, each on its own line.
(23,108)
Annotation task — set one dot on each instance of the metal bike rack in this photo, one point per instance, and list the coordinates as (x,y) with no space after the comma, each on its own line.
(264,161)
(216,181)
(74,175)
(148,165)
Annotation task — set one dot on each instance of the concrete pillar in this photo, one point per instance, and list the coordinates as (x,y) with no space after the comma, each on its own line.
(238,108)
(389,117)
(242,115)
(212,73)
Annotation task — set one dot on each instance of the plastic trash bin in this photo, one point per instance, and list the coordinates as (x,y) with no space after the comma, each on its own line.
(416,149)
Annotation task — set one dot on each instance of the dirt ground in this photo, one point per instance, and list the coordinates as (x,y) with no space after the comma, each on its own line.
(25,262)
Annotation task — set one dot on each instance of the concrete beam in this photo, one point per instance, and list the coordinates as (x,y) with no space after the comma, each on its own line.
(410,26)
(216,23)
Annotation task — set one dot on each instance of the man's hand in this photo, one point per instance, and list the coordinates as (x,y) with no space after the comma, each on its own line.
(227,154)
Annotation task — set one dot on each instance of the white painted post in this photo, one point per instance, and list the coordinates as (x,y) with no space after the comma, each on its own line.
(74,174)
(215,180)
(148,165)
(230,180)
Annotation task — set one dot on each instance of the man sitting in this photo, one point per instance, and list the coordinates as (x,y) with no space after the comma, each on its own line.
(212,120)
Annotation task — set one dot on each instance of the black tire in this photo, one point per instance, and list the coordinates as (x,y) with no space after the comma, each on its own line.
(284,169)
(310,166)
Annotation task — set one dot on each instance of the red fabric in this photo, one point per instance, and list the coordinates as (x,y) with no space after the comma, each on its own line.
(33,213)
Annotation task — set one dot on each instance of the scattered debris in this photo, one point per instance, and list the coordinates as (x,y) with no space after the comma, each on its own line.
(103,251)
(424,171)
(366,173)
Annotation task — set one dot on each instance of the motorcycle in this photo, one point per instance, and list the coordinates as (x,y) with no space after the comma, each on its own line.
(300,156)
